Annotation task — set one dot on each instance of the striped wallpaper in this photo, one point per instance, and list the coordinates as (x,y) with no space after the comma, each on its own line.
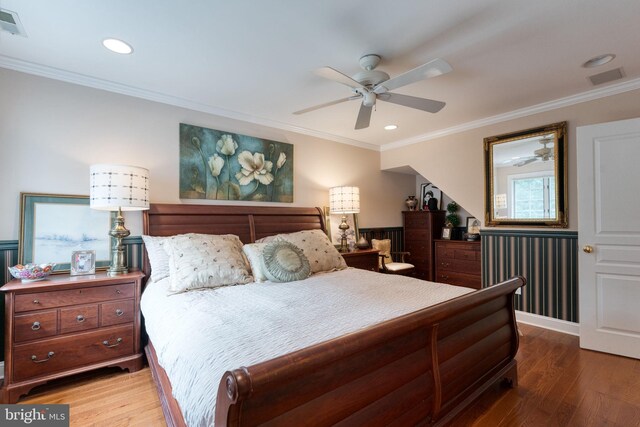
(547,259)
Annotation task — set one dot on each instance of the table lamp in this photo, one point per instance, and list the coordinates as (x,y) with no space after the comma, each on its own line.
(344,200)
(119,188)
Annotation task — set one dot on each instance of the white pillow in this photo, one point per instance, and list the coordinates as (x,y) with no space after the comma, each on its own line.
(205,261)
(254,251)
(158,257)
(318,249)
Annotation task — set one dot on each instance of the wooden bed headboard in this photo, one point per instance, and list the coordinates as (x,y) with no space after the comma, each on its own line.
(247,222)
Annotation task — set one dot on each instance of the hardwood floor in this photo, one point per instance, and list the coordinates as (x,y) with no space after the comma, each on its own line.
(559,385)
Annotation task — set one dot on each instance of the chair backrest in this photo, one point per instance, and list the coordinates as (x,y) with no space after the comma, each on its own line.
(384,246)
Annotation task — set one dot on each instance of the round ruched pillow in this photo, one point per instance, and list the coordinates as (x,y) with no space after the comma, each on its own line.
(284,262)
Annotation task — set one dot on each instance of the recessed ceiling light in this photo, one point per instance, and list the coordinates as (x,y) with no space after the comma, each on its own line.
(117,46)
(599,60)
(391,127)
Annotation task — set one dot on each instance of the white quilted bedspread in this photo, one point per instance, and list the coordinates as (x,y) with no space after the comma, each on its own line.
(198,335)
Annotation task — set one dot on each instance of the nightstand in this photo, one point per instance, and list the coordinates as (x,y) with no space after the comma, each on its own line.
(365,259)
(65,325)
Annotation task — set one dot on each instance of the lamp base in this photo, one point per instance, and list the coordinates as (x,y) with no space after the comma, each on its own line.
(118,260)
(343,240)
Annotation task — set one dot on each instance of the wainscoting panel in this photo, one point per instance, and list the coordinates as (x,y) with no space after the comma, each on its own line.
(394,233)
(547,259)
(9,257)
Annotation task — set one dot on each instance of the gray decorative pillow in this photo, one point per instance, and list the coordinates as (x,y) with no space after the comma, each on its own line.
(284,262)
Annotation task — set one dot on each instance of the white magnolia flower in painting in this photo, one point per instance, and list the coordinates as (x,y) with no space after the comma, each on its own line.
(281,159)
(254,166)
(215,164)
(226,145)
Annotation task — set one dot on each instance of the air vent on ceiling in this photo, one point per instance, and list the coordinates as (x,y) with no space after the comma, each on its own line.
(10,22)
(607,76)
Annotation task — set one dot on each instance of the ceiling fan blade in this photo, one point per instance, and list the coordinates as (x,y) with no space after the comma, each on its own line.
(337,76)
(364,117)
(526,162)
(433,68)
(423,104)
(326,104)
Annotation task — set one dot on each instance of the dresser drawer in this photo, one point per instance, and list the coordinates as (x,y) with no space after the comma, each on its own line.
(117,312)
(58,354)
(451,252)
(78,318)
(34,326)
(462,266)
(459,279)
(53,299)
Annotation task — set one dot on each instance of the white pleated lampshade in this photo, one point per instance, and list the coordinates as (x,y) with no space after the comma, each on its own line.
(119,186)
(344,200)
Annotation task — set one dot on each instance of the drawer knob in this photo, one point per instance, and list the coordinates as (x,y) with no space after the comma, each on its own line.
(118,291)
(35,326)
(35,301)
(444,277)
(445,264)
(34,358)
(119,312)
(106,343)
(80,318)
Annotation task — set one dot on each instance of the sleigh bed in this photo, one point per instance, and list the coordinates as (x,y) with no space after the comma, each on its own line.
(422,367)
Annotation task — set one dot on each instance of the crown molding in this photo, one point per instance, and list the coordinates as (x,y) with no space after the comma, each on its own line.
(83,80)
(92,82)
(516,114)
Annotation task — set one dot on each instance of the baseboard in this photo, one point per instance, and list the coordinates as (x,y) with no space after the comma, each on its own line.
(558,325)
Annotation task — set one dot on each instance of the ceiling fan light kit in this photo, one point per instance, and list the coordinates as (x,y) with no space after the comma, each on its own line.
(371,85)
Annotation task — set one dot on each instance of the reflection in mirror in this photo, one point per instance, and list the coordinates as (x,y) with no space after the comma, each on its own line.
(525,177)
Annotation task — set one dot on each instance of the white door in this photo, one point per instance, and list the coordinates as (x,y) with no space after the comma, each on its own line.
(609,236)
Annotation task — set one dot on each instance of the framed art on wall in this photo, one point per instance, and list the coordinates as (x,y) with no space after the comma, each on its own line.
(333,221)
(53,226)
(429,191)
(473,225)
(219,165)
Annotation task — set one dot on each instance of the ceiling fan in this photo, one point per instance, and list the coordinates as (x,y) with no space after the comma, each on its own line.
(371,85)
(543,154)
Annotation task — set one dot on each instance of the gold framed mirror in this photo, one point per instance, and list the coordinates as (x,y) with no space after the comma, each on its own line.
(526,177)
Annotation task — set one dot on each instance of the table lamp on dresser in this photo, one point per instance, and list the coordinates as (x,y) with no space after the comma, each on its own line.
(119,188)
(344,200)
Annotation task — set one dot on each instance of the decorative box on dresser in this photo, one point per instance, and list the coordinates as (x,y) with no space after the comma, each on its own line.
(421,228)
(365,259)
(458,262)
(65,325)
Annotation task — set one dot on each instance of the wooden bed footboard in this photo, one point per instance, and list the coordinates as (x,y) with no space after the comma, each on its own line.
(423,367)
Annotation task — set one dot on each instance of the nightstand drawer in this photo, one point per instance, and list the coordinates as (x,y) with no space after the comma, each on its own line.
(78,318)
(40,300)
(35,326)
(62,353)
(117,312)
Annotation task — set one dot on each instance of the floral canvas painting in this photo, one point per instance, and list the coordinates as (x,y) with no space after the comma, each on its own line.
(220,165)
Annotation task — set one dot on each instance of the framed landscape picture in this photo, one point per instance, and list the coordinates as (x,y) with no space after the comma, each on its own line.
(53,226)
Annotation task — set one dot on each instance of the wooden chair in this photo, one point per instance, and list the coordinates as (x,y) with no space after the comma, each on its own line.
(386,263)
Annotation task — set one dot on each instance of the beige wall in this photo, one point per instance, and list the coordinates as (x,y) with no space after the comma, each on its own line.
(455,162)
(51,131)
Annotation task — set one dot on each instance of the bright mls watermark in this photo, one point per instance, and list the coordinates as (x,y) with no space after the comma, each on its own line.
(34,415)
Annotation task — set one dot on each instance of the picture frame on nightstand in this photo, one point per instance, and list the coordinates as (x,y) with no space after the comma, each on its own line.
(82,263)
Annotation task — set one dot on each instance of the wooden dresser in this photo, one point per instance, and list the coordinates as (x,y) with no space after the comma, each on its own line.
(421,228)
(365,259)
(458,262)
(66,325)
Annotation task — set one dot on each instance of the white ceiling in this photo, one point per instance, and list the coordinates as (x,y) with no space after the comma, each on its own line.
(254,60)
